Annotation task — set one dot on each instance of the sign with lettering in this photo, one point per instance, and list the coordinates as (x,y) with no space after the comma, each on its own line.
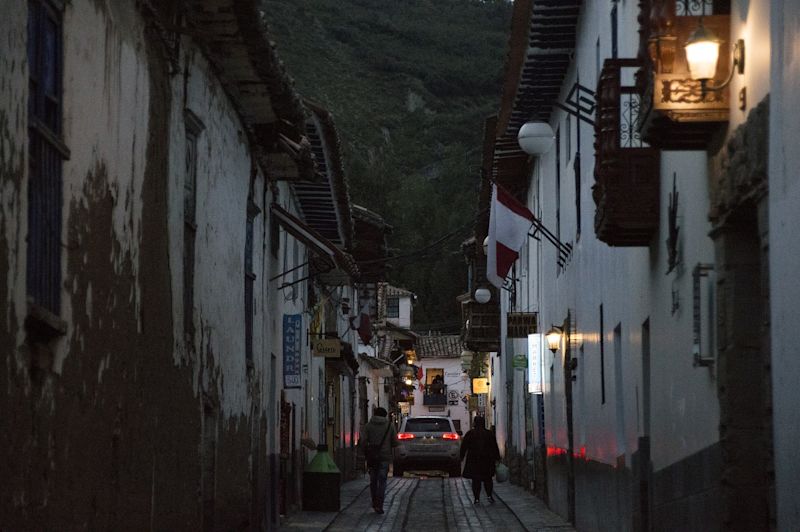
(535,351)
(520,361)
(292,349)
(480,385)
(327,347)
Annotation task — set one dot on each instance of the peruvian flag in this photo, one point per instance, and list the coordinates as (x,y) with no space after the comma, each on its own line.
(509,222)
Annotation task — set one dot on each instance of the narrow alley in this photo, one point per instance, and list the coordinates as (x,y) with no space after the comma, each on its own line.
(340,264)
(421,502)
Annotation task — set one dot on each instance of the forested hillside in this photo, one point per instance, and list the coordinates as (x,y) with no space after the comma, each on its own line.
(409,83)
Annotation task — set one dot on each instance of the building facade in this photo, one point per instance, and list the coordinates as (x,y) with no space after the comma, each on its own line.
(654,261)
(175,231)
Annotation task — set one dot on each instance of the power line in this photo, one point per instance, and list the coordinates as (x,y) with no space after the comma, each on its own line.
(423,250)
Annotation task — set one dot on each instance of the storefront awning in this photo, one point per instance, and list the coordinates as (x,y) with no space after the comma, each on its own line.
(339,261)
(382,367)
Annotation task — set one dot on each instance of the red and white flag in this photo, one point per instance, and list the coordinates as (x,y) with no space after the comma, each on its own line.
(509,222)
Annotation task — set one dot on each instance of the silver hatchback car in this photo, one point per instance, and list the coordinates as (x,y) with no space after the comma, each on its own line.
(428,442)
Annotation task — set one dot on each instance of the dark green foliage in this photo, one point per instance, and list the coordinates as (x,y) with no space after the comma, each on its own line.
(409,83)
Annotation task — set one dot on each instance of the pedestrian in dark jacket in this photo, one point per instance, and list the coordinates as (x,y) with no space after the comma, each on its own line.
(480,447)
(379,431)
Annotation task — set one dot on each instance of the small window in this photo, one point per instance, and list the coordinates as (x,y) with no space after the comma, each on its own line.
(393,307)
(568,136)
(193,128)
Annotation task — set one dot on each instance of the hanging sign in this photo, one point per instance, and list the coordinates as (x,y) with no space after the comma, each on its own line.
(535,347)
(480,385)
(292,356)
(327,347)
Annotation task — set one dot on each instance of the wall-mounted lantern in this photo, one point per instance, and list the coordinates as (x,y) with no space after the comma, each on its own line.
(683,53)
(553,338)
(702,55)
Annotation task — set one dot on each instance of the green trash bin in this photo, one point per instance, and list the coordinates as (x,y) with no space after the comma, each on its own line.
(321,483)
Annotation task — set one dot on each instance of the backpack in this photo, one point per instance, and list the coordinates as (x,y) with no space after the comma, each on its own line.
(373,451)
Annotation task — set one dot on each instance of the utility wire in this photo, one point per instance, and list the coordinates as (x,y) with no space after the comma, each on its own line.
(430,247)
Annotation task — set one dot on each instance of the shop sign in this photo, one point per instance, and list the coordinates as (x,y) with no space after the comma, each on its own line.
(292,355)
(520,361)
(473,402)
(480,385)
(535,352)
(327,347)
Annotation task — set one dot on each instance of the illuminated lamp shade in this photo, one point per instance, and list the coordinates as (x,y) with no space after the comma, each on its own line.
(553,338)
(702,53)
(535,138)
(408,382)
(483,295)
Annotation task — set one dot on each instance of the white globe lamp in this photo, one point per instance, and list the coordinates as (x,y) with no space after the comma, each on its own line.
(483,295)
(535,138)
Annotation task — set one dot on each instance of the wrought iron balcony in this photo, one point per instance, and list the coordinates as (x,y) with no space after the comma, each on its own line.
(434,395)
(626,189)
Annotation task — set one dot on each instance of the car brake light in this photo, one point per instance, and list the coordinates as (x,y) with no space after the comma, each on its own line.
(450,436)
(405,436)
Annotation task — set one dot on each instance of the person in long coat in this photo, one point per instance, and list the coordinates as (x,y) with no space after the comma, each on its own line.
(379,431)
(480,447)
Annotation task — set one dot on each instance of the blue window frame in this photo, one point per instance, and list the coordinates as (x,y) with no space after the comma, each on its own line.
(46,154)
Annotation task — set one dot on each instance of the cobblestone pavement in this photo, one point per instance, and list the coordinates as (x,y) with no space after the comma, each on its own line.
(440,503)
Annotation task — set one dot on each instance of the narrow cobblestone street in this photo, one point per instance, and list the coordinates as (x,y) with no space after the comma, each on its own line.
(433,503)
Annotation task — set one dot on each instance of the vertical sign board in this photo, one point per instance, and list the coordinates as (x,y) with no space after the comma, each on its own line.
(535,346)
(292,345)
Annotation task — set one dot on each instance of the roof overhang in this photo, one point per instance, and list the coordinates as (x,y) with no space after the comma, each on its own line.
(235,38)
(325,203)
(541,46)
(381,367)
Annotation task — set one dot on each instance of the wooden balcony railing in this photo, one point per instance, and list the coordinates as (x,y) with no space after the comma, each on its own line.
(626,189)
(481,324)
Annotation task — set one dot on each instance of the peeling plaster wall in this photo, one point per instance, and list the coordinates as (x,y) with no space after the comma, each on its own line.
(13,188)
(119,429)
(222,184)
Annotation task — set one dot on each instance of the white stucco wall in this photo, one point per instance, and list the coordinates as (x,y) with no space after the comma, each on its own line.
(13,151)
(456,381)
(750,20)
(222,185)
(631,284)
(105,126)
(784,248)
(405,314)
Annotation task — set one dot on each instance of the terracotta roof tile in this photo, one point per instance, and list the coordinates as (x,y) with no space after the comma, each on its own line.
(439,346)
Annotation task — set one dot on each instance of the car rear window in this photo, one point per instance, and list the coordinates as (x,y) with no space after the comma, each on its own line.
(428,425)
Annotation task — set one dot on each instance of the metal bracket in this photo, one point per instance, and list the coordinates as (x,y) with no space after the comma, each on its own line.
(564,249)
(579,102)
